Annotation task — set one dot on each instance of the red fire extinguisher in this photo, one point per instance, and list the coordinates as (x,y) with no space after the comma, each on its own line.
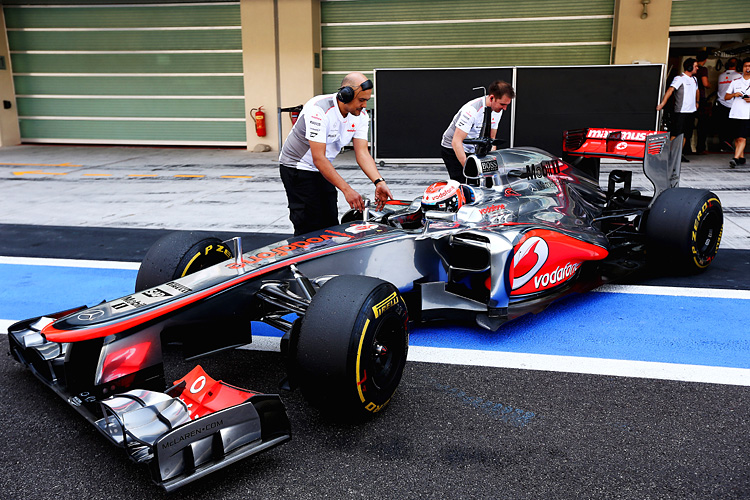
(260,121)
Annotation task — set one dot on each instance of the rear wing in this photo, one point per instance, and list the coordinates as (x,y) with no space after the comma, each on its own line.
(607,143)
(660,156)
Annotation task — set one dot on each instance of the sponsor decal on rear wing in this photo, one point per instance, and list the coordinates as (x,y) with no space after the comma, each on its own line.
(608,143)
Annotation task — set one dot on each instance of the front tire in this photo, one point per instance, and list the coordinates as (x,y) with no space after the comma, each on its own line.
(178,254)
(684,229)
(352,346)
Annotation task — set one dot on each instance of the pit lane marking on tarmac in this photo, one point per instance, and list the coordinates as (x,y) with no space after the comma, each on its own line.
(40,165)
(491,349)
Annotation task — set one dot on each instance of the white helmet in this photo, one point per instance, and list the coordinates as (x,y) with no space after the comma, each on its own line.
(444,196)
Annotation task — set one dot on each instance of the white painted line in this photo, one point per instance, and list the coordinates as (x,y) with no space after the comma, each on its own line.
(93,264)
(262,343)
(675,291)
(591,366)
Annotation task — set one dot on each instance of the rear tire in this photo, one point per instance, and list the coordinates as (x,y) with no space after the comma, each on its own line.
(178,254)
(684,229)
(352,346)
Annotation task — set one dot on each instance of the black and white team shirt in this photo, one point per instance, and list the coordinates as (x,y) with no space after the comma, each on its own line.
(469,119)
(685,92)
(321,121)
(740,109)
(725,79)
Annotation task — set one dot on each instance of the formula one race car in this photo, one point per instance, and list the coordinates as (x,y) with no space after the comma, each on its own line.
(527,229)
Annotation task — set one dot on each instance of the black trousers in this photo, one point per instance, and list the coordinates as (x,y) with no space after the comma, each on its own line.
(721,118)
(455,169)
(312,200)
(683,123)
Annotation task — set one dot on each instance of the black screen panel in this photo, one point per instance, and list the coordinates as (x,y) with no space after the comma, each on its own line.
(552,100)
(415,106)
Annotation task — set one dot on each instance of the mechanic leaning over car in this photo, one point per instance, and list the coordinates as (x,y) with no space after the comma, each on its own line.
(467,123)
(326,124)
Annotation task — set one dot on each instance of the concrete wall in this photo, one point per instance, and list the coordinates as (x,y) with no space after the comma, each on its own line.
(10,134)
(279,41)
(635,39)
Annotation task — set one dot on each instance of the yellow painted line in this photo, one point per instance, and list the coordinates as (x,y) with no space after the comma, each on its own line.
(189,175)
(97,175)
(39,172)
(40,165)
(236,176)
(143,175)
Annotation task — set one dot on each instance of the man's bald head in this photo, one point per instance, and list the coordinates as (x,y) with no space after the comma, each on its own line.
(353,79)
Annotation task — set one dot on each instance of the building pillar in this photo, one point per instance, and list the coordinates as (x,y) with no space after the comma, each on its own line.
(10,134)
(301,75)
(639,39)
(281,61)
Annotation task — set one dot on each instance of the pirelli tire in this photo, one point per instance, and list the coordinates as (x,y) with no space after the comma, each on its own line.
(684,228)
(352,345)
(178,254)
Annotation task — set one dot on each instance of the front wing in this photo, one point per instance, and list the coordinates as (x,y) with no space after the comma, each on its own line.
(195,427)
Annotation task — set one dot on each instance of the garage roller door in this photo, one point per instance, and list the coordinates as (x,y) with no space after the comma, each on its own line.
(167,74)
(361,35)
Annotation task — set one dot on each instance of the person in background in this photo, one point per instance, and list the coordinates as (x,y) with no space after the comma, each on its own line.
(467,123)
(722,106)
(739,93)
(704,110)
(685,89)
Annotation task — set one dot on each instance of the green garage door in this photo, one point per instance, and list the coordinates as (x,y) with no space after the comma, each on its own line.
(168,74)
(717,14)
(361,35)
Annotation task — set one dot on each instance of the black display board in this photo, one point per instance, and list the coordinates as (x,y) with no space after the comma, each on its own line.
(415,106)
(552,100)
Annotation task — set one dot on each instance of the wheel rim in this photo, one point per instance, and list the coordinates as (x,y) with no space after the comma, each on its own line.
(387,353)
(707,237)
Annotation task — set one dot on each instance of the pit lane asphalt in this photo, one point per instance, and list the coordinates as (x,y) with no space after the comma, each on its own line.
(451,431)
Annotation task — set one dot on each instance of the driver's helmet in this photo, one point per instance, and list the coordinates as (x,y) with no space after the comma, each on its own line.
(444,196)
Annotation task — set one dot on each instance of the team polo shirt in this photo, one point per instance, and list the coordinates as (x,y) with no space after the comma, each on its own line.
(469,119)
(740,108)
(725,79)
(321,121)
(685,89)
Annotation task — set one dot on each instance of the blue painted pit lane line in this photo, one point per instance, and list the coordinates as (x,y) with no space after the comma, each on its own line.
(655,332)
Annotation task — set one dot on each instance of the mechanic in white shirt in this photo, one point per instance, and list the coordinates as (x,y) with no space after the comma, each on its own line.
(739,93)
(467,123)
(325,125)
(722,106)
(685,89)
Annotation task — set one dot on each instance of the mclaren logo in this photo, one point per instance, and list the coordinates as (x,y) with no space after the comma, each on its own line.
(529,259)
(91,315)
(386,304)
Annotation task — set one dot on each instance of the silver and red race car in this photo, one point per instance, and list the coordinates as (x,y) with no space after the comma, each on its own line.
(528,228)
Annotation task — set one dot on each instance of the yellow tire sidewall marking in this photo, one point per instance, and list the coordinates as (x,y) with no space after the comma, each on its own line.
(359,357)
(190,264)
